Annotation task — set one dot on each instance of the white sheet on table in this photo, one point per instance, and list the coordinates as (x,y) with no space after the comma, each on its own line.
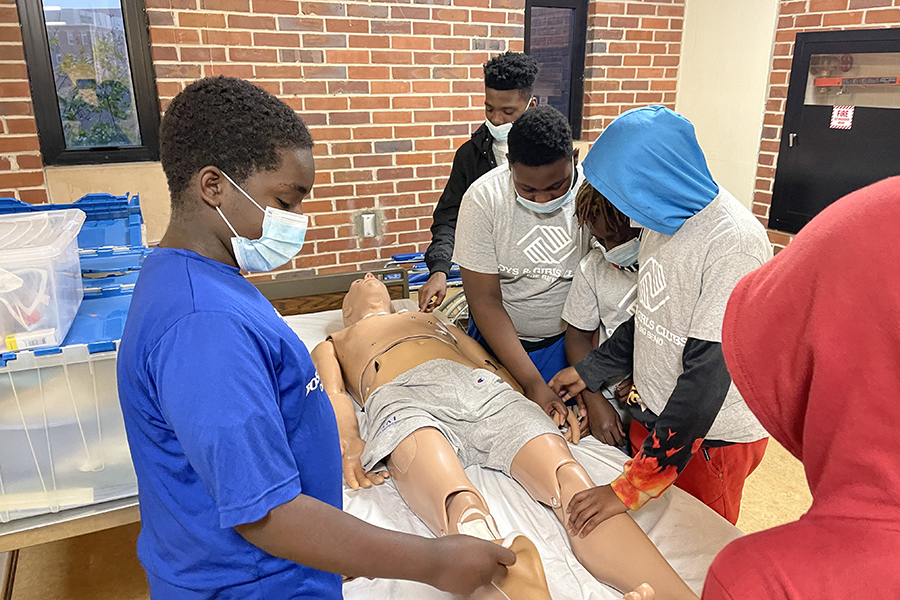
(686,532)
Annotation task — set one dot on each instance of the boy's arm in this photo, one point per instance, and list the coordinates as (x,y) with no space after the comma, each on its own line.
(312,533)
(601,418)
(352,446)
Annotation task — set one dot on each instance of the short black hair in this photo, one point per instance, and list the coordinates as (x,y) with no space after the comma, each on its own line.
(511,71)
(541,136)
(227,123)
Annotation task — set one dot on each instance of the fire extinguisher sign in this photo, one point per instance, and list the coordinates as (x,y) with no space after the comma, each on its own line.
(842,117)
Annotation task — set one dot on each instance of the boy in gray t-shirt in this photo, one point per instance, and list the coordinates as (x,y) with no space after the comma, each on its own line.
(698,241)
(518,245)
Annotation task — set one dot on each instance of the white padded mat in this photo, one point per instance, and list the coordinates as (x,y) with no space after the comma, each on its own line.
(686,532)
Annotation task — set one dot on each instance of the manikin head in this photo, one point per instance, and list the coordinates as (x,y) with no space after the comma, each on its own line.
(541,156)
(367,296)
(222,126)
(508,87)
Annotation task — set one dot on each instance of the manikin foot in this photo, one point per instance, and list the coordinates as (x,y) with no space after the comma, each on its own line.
(525,580)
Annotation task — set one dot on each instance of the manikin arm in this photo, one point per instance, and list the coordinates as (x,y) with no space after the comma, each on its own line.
(352,446)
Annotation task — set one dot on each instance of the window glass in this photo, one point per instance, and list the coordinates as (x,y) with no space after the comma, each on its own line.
(92,73)
(552,41)
(859,79)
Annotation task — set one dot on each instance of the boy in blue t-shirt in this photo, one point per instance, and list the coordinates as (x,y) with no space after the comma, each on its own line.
(233,438)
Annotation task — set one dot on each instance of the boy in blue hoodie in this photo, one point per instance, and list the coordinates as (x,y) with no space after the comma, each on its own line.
(698,241)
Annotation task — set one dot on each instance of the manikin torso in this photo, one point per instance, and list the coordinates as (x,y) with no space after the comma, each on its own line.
(379,347)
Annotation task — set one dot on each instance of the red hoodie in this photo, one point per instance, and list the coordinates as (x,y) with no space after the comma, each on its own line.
(812,341)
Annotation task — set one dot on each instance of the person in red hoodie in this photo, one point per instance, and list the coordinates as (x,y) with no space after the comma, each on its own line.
(812,341)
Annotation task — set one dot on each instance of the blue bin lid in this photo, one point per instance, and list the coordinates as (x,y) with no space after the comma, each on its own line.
(109,220)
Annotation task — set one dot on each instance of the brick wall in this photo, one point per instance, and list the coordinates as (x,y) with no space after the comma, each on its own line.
(390,89)
(633,50)
(796,16)
(21,168)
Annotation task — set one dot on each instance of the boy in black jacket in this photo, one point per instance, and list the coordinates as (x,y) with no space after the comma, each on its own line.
(508,85)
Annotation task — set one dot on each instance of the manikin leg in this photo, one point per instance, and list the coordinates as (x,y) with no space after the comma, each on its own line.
(432,482)
(617,552)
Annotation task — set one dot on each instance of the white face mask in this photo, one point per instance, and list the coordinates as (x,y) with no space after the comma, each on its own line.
(282,237)
(501,132)
(624,256)
(551,205)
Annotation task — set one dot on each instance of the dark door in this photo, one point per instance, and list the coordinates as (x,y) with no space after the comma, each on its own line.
(841,124)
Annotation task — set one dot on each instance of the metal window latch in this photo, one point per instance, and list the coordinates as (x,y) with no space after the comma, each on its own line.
(792,137)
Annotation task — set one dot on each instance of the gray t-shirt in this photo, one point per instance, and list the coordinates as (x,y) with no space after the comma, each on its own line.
(685,280)
(535,255)
(600,294)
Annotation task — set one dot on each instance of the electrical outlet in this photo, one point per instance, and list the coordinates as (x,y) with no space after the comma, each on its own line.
(368,225)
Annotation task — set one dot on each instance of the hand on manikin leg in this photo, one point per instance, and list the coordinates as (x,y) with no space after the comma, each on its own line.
(432,482)
(617,552)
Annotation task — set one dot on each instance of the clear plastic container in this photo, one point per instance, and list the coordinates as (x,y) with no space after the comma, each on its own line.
(61,431)
(40,277)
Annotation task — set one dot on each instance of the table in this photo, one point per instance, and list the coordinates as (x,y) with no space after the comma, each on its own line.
(62,525)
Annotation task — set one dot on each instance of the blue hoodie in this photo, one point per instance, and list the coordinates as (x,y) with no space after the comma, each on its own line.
(649,165)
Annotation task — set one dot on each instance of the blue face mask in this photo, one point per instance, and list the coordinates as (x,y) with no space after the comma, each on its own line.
(624,256)
(282,237)
(552,205)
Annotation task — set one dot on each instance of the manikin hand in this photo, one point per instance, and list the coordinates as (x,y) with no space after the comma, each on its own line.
(567,383)
(433,292)
(591,507)
(466,563)
(544,397)
(604,421)
(356,477)
(641,592)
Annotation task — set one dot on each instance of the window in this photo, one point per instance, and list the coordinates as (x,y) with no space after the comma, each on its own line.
(555,36)
(95,60)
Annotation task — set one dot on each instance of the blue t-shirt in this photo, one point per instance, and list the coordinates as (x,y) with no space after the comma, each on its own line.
(226,419)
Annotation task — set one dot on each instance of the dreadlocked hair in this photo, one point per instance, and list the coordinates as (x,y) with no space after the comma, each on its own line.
(590,204)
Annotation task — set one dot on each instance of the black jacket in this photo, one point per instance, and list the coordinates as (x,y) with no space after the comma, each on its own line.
(472,160)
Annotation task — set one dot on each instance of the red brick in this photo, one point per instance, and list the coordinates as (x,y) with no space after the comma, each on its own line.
(638,35)
(201,20)
(410,42)
(608,8)
(411,102)
(450,73)
(326,104)
(178,71)
(348,87)
(410,12)
(391,57)
(38,196)
(450,44)
(347,25)
(312,40)
(20,126)
(351,148)
(369,102)
(434,58)
(22,179)
(431,87)
(300,24)
(278,40)
(641,9)
(410,73)
(327,9)
(324,72)
(471,31)
(827,5)
(435,29)
(240,71)
(226,5)
(368,72)
(304,88)
(367,12)
(278,7)
(808,21)
(390,87)
(349,118)
(883,16)
(369,41)
(29,161)
(841,19)
(392,117)
(279,72)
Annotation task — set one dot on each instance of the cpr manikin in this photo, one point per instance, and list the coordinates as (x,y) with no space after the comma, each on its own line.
(380,354)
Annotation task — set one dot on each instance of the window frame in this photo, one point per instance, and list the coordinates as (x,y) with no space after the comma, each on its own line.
(579,54)
(49,122)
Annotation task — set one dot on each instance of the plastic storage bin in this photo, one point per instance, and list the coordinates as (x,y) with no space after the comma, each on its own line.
(40,277)
(62,436)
